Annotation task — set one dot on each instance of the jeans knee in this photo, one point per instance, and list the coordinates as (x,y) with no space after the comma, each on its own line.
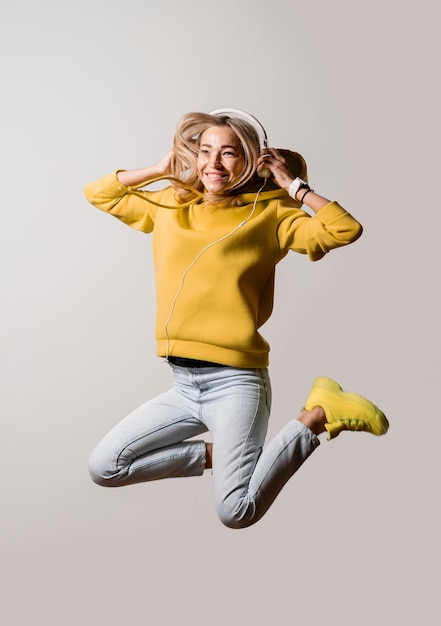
(235,523)
(99,472)
(236,517)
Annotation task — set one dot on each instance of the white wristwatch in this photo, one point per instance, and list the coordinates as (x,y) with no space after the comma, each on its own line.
(296,184)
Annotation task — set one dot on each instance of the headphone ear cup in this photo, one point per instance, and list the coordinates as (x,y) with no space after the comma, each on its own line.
(296,164)
(265,173)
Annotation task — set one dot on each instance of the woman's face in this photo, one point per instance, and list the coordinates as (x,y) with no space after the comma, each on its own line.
(220,158)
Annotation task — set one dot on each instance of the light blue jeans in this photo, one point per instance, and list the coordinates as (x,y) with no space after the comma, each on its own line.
(234,405)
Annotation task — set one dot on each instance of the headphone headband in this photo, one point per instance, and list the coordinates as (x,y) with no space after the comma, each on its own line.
(247,117)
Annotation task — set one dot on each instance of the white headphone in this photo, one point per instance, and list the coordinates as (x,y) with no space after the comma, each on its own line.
(248,118)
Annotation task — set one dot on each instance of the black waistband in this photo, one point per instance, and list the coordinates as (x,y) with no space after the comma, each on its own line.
(183,362)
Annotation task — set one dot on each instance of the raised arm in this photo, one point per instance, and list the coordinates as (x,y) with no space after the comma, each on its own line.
(115,194)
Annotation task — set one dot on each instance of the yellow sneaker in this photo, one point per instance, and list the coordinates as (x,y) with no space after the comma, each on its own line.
(345,411)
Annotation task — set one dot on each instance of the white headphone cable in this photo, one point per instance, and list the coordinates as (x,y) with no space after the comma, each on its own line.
(207,247)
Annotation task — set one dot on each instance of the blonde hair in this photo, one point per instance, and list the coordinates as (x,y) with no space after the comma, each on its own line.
(186,149)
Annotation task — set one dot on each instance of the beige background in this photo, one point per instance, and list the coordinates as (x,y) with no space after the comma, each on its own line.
(91,86)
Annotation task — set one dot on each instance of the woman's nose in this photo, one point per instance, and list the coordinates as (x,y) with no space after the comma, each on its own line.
(215,159)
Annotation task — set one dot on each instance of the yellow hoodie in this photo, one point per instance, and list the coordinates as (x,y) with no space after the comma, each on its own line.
(215,265)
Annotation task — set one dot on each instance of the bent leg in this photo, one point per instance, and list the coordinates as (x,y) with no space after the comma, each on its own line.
(150,444)
(247,477)
(279,461)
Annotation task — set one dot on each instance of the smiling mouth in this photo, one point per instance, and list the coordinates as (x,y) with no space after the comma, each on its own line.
(215,176)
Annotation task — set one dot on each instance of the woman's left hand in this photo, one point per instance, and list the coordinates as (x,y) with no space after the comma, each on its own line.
(271,159)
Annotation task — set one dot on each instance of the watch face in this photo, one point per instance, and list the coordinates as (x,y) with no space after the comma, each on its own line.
(296,185)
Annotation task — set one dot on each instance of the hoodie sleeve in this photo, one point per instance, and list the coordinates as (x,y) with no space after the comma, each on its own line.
(332,227)
(131,206)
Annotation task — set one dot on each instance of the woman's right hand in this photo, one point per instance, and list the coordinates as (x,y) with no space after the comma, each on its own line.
(132,178)
(163,166)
